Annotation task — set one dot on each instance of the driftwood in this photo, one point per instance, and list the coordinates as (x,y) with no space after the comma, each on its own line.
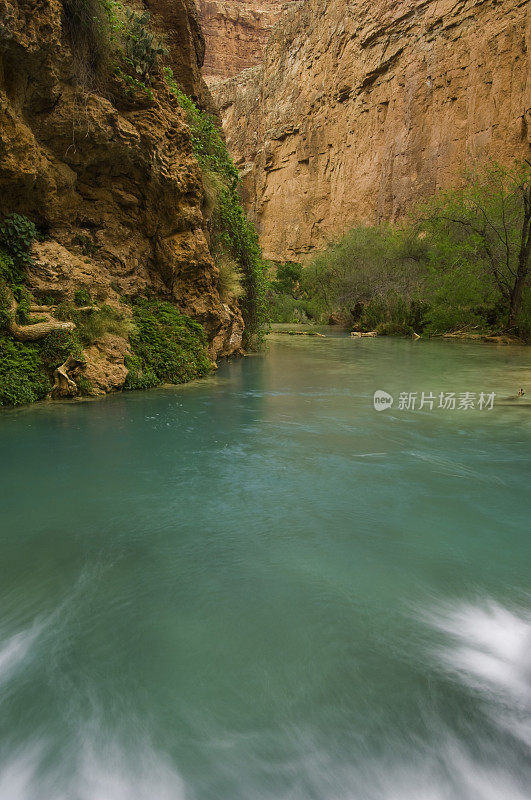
(302,333)
(64,384)
(32,333)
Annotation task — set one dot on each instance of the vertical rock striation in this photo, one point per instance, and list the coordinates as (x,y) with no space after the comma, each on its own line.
(360,109)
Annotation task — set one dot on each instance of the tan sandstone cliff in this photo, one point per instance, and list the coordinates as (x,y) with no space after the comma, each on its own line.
(111,178)
(236,32)
(361,108)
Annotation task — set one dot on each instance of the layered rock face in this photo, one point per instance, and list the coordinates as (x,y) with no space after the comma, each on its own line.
(236,32)
(360,109)
(110,177)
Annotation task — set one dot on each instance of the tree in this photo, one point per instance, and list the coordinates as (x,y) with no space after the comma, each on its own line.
(487,224)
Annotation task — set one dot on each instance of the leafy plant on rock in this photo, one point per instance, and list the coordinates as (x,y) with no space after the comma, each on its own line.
(233,236)
(17,234)
(168,347)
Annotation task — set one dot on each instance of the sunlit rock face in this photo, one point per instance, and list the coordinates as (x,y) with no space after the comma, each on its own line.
(360,109)
(110,178)
(236,32)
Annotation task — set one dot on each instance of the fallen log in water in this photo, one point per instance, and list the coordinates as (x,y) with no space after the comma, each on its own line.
(302,333)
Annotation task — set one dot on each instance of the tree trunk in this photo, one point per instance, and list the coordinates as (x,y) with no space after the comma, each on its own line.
(522,270)
(64,384)
(32,333)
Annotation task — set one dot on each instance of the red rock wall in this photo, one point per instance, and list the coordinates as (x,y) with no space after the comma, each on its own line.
(236,32)
(360,109)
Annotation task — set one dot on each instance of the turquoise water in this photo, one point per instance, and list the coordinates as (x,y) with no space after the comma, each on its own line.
(257,587)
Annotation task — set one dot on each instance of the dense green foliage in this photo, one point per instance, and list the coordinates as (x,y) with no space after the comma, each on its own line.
(109,37)
(23,378)
(288,276)
(480,246)
(10,273)
(141,46)
(371,277)
(26,368)
(82,297)
(234,238)
(92,323)
(55,348)
(17,234)
(168,347)
(286,298)
(453,266)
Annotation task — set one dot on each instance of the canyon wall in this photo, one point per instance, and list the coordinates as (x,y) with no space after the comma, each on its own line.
(108,173)
(236,33)
(361,108)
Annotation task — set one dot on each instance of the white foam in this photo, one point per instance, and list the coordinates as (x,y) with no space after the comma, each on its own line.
(14,651)
(489,647)
(99,773)
(116,775)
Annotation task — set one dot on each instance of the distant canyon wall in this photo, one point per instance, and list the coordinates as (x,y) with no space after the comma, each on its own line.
(236,32)
(359,109)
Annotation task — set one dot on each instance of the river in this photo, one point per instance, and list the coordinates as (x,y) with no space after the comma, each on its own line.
(258,587)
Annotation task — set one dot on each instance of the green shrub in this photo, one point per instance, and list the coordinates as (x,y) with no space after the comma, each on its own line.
(284,308)
(23,298)
(17,234)
(390,315)
(5,304)
(369,267)
(167,346)
(82,297)
(460,263)
(141,47)
(139,376)
(93,323)
(22,375)
(459,297)
(85,386)
(482,232)
(287,278)
(107,36)
(393,329)
(55,348)
(10,272)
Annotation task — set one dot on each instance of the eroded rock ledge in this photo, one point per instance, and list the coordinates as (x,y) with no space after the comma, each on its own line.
(111,179)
